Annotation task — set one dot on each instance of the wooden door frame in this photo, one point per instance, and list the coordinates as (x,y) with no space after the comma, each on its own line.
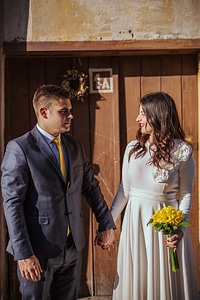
(198,136)
(102,48)
(74,49)
(3,230)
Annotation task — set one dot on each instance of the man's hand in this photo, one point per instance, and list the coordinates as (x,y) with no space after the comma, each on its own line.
(30,268)
(105,239)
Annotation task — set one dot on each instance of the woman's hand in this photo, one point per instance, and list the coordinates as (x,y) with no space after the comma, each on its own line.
(105,239)
(173,241)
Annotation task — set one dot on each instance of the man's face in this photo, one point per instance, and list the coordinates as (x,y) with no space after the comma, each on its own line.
(58,118)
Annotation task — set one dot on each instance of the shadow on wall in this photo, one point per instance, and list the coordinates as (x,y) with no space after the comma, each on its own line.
(15,16)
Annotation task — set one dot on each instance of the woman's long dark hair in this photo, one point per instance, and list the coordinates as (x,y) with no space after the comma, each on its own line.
(161,113)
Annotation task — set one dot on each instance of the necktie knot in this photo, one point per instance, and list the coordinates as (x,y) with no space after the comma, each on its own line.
(62,162)
(56,141)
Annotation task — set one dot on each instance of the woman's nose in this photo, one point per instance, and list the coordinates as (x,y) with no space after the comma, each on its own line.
(138,118)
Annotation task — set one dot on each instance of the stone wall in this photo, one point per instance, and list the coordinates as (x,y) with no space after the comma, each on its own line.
(88,20)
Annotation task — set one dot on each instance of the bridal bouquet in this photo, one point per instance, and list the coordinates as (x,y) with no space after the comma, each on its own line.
(167,220)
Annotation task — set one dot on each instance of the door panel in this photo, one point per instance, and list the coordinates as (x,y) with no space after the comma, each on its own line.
(171,79)
(129,95)
(150,74)
(104,119)
(190,125)
(104,123)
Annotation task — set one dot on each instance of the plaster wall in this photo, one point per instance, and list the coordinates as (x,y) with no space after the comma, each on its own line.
(87,20)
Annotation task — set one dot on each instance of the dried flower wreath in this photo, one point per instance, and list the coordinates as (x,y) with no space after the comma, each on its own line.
(75,82)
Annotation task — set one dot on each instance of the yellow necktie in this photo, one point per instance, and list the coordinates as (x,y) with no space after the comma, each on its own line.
(61,158)
(62,165)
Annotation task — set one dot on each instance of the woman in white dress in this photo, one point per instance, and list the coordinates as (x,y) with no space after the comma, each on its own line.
(156,166)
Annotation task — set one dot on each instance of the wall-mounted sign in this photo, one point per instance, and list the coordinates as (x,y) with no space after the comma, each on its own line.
(101,80)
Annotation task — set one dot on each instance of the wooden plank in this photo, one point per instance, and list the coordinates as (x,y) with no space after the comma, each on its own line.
(36,78)
(17,105)
(86,48)
(81,110)
(116,125)
(104,126)
(55,68)
(17,123)
(129,95)
(190,96)
(3,232)
(190,121)
(150,74)
(171,79)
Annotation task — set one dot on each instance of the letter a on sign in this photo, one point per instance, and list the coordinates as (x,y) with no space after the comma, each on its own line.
(101,80)
(105,84)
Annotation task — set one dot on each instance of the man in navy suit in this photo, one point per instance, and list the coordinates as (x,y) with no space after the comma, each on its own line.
(42,209)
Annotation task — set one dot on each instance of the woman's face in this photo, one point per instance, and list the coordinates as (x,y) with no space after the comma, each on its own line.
(142,121)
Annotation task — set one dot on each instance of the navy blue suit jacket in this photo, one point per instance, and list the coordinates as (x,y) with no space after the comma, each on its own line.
(37,201)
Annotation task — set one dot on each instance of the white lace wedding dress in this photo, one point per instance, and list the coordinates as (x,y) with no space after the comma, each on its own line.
(143,264)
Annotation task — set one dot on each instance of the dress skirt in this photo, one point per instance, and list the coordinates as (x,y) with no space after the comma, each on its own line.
(143,264)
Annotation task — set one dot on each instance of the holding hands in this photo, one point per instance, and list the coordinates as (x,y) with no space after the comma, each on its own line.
(105,239)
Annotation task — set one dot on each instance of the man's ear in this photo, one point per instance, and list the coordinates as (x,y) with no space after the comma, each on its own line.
(43,112)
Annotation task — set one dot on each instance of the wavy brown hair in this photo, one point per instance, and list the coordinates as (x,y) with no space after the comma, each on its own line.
(161,113)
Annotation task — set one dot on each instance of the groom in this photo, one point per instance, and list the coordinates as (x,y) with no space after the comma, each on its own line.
(43,209)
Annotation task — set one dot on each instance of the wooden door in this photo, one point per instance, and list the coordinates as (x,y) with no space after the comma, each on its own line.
(173,74)
(104,123)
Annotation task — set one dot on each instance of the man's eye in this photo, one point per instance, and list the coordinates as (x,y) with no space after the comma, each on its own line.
(63,111)
(66,112)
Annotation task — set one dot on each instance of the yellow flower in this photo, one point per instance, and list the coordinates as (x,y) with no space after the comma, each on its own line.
(167,220)
(168,215)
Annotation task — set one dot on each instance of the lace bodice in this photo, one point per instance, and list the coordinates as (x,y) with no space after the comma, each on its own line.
(139,174)
(181,152)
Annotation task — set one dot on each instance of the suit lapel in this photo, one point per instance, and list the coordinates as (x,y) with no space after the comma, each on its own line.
(45,149)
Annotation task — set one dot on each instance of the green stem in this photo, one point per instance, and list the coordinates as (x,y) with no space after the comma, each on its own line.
(174,260)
